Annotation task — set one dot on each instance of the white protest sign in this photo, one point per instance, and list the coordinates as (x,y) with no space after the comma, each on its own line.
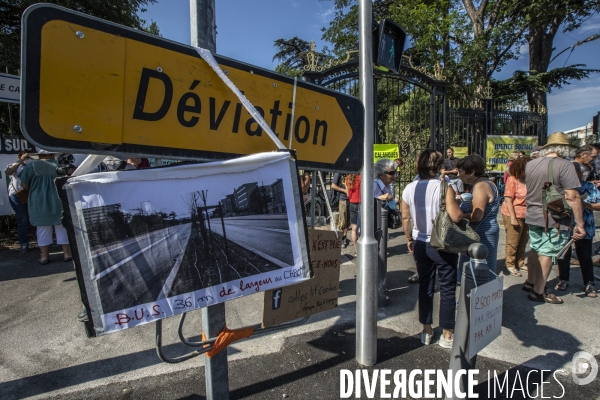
(10,88)
(486,315)
(153,243)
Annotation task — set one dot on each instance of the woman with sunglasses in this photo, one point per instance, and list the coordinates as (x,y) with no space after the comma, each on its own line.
(385,177)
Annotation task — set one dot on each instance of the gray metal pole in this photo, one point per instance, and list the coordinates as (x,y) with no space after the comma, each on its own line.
(366,275)
(460,349)
(382,265)
(203,24)
(203,31)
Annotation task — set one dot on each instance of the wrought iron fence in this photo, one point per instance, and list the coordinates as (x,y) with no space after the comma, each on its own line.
(413,111)
(469,123)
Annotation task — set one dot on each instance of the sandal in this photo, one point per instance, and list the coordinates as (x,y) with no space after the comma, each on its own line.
(527,286)
(414,279)
(514,272)
(561,285)
(43,261)
(545,297)
(590,291)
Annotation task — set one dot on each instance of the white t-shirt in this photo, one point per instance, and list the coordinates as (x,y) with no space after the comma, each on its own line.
(15,183)
(423,199)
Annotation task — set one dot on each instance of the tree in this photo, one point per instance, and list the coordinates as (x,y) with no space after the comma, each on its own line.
(546,17)
(124,12)
(291,54)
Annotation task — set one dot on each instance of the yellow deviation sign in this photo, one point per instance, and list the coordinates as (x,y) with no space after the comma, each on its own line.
(91,85)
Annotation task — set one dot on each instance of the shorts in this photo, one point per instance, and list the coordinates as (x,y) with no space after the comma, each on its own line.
(354,213)
(547,243)
(344,215)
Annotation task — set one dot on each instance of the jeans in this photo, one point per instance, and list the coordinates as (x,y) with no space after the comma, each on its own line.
(428,260)
(457,185)
(583,248)
(22,218)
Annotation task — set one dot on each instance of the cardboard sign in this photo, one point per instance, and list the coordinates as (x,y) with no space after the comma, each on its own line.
(385,151)
(154,243)
(315,295)
(486,315)
(92,85)
(498,149)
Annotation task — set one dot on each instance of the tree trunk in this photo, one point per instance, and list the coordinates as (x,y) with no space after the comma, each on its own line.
(540,51)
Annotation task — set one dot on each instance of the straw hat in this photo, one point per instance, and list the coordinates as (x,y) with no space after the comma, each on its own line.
(558,139)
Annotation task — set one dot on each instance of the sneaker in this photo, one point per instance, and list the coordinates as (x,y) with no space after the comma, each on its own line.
(426,338)
(446,343)
(345,243)
(82,316)
(24,248)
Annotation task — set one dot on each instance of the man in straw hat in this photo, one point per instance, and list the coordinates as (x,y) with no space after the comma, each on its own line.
(547,236)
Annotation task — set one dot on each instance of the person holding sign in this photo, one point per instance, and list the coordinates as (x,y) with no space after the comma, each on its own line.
(420,206)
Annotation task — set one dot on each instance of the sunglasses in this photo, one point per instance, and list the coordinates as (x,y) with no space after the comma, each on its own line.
(391,173)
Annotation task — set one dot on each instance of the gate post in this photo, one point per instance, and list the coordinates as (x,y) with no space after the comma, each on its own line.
(488,104)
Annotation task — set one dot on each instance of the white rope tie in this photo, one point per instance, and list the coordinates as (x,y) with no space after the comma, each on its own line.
(210,60)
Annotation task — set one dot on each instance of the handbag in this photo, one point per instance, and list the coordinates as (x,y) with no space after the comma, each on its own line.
(394,218)
(448,236)
(22,194)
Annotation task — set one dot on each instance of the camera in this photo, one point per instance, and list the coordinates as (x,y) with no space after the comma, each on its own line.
(66,164)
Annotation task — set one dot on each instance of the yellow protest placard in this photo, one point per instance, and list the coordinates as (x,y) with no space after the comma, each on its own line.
(385,151)
(498,149)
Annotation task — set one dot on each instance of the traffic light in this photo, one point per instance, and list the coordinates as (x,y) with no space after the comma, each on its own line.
(388,45)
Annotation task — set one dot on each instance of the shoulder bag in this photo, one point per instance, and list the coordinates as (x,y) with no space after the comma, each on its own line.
(448,236)
(22,194)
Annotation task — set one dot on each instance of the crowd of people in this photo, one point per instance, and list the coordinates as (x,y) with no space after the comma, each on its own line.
(34,198)
(574,172)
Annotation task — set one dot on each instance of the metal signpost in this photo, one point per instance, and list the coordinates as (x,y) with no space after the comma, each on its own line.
(366,275)
(98,87)
(203,34)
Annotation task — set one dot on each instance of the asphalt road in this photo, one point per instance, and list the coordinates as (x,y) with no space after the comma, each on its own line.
(269,237)
(136,271)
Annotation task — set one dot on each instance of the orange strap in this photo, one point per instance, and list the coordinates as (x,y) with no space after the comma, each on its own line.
(225,338)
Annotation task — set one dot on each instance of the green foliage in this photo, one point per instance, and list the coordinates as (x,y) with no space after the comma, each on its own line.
(523,81)
(291,54)
(124,12)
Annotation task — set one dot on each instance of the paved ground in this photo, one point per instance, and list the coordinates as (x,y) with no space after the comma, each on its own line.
(44,352)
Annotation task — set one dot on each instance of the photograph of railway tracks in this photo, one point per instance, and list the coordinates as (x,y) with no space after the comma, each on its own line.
(185,237)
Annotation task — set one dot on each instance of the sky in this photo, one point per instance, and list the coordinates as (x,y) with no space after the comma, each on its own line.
(247,30)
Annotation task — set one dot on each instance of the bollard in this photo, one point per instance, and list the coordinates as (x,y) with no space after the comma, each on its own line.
(382,264)
(460,350)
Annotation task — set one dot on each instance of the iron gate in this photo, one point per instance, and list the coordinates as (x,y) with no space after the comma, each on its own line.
(409,107)
(413,111)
